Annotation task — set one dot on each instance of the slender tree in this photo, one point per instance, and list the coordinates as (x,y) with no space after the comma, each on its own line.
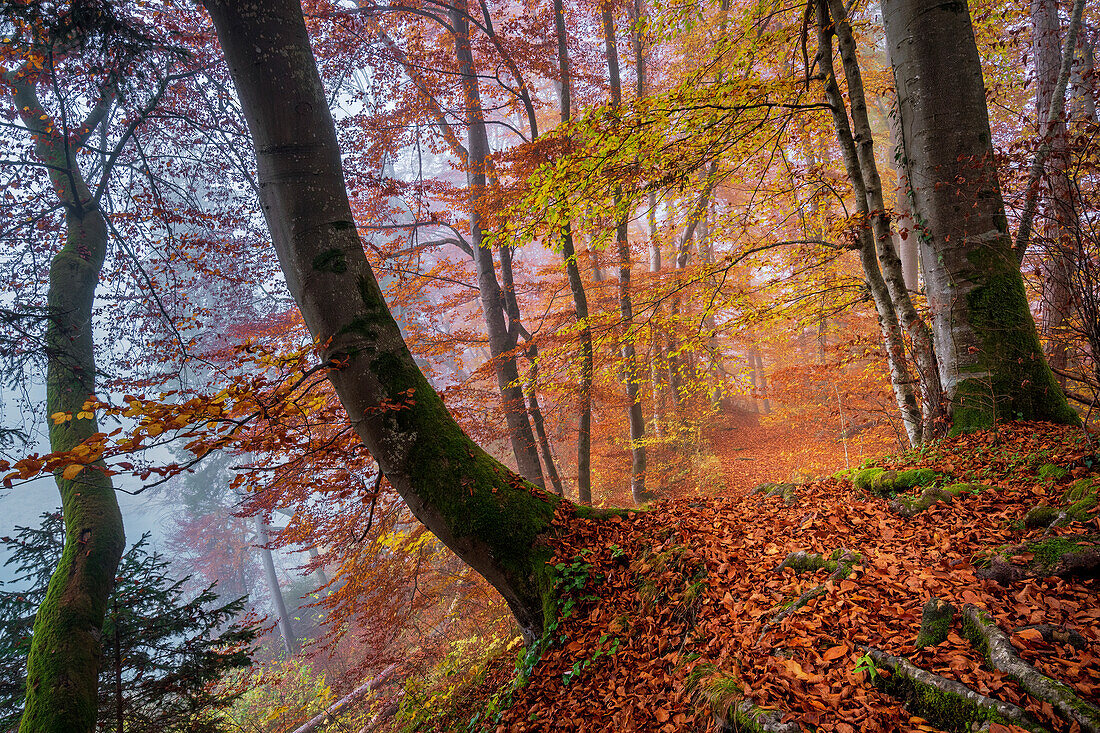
(629,356)
(576,287)
(491,518)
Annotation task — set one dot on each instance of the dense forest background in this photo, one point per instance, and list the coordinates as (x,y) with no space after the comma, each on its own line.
(360,306)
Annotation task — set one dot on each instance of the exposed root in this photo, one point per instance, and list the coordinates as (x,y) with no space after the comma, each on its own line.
(883,483)
(995,644)
(746,716)
(907,506)
(1063,557)
(723,694)
(840,563)
(935,622)
(1057,635)
(948,704)
(788,492)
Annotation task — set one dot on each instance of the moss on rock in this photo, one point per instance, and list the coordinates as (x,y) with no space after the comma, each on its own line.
(1043,515)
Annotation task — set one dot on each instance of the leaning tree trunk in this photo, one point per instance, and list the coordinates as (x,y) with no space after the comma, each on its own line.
(870,184)
(991,367)
(626,306)
(576,286)
(487,515)
(66,647)
(900,377)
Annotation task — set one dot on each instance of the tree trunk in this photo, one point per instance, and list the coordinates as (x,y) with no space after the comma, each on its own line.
(990,363)
(658,365)
(626,307)
(905,230)
(263,544)
(1059,224)
(576,286)
(762,382)
(539,424)
(531,382)
(920,338)
(501,340)
(900,377)
(66,648)
(487,515)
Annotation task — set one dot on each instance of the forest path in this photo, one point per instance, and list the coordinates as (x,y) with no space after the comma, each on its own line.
(781,448)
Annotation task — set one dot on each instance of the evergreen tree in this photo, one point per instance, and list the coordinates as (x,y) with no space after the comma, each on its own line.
(161,652)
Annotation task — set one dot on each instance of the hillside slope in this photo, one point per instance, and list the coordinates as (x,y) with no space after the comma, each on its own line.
(788,609)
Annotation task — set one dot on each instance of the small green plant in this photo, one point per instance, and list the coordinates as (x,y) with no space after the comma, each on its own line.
(867,664)
(582,664)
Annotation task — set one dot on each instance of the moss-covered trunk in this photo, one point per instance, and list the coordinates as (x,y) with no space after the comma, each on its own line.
(490,517)
(66,650)
(990,363)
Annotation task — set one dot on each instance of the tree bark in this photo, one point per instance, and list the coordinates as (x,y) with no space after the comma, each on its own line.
(487,515)
(531,380)
(920,338)
(576,287)
(1059,224)
(905,228)
(991,367)
(263,544)
(66,649)
(626,306)
(900,377)
(501,338)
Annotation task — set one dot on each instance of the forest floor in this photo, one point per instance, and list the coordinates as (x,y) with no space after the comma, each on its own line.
(676,617)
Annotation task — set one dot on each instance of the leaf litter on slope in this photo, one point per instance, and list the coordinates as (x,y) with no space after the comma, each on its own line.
(806,664)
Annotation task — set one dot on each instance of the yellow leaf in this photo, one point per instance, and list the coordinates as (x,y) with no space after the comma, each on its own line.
(60,417)
(72,471)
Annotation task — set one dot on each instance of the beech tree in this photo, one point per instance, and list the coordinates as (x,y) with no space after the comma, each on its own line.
(990,362)
(491,518)
(50,55)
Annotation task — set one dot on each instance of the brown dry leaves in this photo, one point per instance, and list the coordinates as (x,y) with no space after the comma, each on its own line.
(646,565)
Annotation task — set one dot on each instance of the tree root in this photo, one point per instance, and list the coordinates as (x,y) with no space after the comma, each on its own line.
(907,506)
(787,491)
(747,716)
(840,563)
(1057,635)
(723,694)
(935,622)
(1063,557)
(885,483)
(984,634)
(948,704)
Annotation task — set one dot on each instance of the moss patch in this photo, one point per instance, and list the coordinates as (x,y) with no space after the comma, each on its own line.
(935,622)
(331,260)
(1011,378)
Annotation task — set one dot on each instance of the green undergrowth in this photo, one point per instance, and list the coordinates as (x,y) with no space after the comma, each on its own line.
(1078,504)
(444,695)
(885,483)
(443,699)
